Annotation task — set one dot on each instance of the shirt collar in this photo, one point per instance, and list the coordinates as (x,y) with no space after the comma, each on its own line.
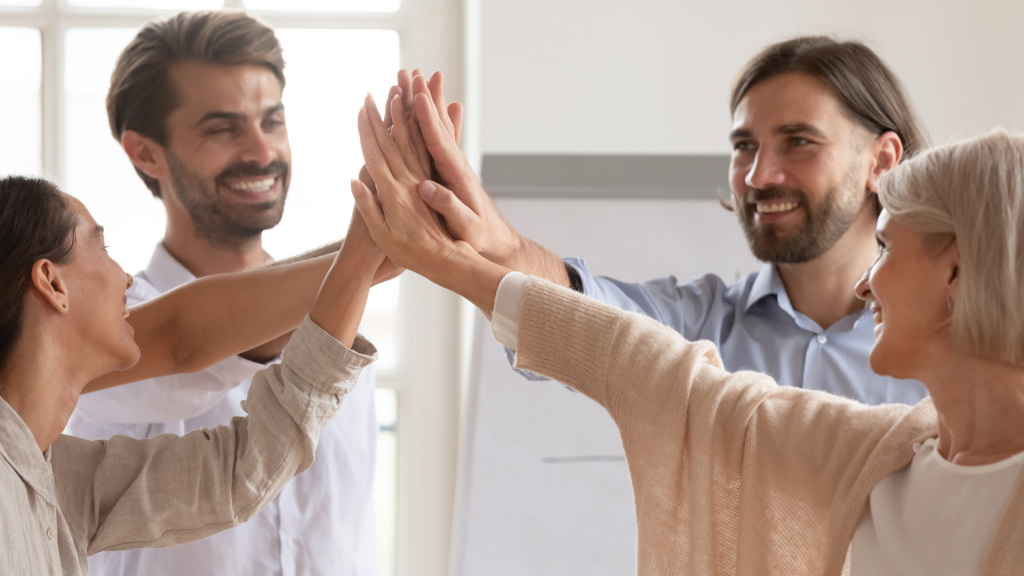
(164,271)
(18,447)
(768,283)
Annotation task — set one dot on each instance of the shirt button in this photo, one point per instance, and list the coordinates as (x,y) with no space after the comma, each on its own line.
(822,338)
(50,533)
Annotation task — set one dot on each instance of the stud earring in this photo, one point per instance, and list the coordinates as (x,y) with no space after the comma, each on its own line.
(949,304)
(65,305)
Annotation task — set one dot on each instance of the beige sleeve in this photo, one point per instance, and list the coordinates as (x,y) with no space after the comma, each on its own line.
(125,493)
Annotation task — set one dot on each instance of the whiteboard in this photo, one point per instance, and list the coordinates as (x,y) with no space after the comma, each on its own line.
(543,487)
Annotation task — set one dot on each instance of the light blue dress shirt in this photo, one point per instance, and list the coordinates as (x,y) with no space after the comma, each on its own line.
(755,327)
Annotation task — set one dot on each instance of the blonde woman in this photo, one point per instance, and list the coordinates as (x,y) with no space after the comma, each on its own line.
(64,325)
(734,474)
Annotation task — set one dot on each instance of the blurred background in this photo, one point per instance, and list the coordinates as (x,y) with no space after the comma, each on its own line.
(537,77)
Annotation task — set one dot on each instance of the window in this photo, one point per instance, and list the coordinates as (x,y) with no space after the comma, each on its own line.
(57,85)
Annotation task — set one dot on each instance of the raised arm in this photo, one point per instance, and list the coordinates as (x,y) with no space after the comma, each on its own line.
(205,321)
(126,493)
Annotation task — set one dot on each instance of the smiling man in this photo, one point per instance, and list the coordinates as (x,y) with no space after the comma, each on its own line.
(196,103)
(816,122)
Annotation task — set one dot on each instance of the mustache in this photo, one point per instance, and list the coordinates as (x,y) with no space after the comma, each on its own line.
(755,195)
(246,169)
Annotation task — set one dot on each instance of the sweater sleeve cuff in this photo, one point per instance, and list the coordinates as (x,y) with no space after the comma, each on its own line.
(320,359)
(507,303)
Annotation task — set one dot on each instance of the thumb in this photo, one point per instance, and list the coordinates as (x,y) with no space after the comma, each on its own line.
(460,219)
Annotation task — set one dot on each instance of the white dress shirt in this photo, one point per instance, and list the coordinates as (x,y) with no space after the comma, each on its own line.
(322,522)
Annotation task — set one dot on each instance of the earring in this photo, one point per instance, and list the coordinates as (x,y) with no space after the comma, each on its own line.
(949,304)
(65,305)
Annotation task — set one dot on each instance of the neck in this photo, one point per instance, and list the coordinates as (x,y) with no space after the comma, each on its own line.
(203,258)
(42,386)
(823,289)
(981,408)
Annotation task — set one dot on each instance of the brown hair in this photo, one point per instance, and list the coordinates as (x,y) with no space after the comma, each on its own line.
(869,91)
(141,94)
(35,223)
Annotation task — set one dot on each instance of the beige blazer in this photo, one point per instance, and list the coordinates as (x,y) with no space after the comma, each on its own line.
(81,497)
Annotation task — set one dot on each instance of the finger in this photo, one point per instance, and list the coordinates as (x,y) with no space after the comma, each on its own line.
(364,177)
(369,210)
(385,142)
(387,109)
(436,86)
(373,158)
(403,139)
(459,218)
(455,114)
(405,83)
(422,154)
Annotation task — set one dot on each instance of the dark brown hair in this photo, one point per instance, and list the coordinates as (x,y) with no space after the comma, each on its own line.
(858,78)
(142,96)
(36,223)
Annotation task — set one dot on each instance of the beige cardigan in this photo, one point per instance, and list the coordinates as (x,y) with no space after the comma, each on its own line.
(732,474)
(82,497)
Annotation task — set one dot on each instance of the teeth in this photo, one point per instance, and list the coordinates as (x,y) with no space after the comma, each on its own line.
(878,318)
(124,311)
(254,186)
(777,207)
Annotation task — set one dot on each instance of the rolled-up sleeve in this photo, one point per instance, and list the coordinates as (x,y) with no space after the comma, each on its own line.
(126,493)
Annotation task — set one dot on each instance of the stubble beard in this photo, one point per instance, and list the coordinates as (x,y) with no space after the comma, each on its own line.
(218,222)
(824,223)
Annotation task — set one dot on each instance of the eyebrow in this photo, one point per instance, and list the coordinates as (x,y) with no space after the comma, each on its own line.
(235,116)
(787,129)
(98,231)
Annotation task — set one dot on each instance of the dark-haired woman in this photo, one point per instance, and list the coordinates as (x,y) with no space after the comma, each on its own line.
(63,324)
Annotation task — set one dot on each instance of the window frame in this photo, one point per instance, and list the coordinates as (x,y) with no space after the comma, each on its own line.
(431,37)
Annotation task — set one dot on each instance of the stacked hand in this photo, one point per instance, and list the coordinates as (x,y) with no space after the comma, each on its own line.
(399,220)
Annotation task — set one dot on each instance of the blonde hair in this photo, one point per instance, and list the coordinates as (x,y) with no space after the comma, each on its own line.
(972,191)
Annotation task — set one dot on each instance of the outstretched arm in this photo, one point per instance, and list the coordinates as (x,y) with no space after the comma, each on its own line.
(205,321)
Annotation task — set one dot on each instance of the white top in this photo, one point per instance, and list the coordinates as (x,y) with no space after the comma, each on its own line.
(933,517)
(322,522)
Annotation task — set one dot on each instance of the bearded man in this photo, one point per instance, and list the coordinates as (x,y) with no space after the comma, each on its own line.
(196,103)
(816,123)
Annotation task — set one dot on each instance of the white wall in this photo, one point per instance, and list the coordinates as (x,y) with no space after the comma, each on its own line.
(653,76)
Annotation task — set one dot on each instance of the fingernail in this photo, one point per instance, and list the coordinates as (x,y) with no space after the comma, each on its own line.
(362,113)
(369,97)
(427,188)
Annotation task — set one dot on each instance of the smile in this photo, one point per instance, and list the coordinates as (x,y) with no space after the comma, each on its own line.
(253,186)
(772,207)
(877,316)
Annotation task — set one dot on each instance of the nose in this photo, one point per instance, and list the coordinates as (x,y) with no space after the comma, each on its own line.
(130,280)
(765,172)
(256,148)
(863,287)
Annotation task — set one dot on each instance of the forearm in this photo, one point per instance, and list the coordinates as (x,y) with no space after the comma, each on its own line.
(339,305)
(200,323)
(324,250)
(531,258)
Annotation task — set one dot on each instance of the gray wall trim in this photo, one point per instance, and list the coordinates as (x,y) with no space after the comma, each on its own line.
(683,177)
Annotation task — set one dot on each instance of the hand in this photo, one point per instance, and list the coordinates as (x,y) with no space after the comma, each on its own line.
(409,232)
(399,221)
(469,213)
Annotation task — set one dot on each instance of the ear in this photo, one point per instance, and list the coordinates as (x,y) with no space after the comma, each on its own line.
(886,151)
(145,154)
(953,267)
(49,285)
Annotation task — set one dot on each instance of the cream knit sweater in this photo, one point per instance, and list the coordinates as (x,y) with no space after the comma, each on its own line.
(732,474)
